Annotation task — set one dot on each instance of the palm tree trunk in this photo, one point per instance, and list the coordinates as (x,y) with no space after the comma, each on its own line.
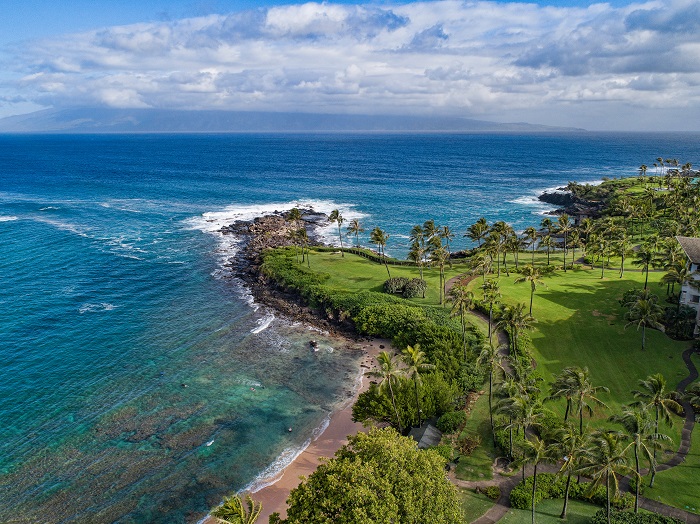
(534,490)
(340,235)
(568,408)
(415,385)
(532,294)
(396,411)
(646,278)
(490,320)
(644,336)
(639,479)
(580,420)
(564,252)
(607,495)
(566,495)
(493,432)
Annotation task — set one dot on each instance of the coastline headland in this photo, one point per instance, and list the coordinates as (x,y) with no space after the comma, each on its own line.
(268,232)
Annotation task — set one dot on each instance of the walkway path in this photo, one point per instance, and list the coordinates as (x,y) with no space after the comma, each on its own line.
(502,505)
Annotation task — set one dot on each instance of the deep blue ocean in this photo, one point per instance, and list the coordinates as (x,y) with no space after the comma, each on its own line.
(115,295)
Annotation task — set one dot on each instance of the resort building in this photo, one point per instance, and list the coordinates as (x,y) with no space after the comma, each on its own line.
(690,291)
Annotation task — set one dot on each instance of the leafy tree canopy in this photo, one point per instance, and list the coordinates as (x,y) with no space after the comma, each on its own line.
(378,476)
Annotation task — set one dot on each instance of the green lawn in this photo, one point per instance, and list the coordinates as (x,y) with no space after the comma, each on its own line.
(477,466)
(548,511)
(474,505)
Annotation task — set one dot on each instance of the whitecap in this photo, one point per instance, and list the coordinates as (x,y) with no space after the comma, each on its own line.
(92,308)
(8,218)
(263,323)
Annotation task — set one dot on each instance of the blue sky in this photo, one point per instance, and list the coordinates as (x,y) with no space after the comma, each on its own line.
(619,65)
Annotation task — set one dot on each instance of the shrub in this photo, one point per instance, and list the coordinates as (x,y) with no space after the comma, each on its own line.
(492,492)
(468,444)
(452,421)
(414,288)
(444,450)
(395,285)
(625,517)
(471,377)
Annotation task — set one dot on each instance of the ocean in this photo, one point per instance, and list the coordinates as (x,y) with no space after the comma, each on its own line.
(140,382)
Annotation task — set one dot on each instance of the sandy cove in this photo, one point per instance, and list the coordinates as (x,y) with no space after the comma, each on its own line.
(274,496)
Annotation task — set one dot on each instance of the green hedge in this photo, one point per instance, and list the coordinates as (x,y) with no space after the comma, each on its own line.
(550,486)
(626,517)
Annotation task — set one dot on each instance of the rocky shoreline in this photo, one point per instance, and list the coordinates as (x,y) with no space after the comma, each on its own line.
(269,232)
(571,204)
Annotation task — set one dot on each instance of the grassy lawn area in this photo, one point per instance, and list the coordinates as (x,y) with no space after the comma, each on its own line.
(477,466)
(548,511)
(474,505)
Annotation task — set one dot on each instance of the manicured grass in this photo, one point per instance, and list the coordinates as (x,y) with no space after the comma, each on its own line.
(548,511)
(474,505)
(477,466)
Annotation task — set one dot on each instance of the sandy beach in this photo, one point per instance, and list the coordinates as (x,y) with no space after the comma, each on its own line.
(340,426)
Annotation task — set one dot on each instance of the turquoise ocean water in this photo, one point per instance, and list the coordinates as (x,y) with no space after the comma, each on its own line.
(115,294)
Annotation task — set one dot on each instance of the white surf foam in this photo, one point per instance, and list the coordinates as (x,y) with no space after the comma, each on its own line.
(263,323)
(8,218)
(92,308)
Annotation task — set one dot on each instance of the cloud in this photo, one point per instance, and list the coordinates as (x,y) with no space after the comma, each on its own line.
(452,57)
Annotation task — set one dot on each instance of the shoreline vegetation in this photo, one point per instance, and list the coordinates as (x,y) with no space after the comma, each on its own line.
(566,333)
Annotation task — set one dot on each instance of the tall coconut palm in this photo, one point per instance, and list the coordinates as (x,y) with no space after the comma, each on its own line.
(446,234)
(607,459)
(535,451)
(462,301)
(515,320)
(532,235)
(232,510)
(548,242)
(336,217)
(652,393)
(644,259)
(492,295)
(439,257)
(639,426)
(564,226)
(491,358)
(574,242)
(478,231)
(643,313)
(622,248)
(294,216)
(532,275)
(415,362)
(564,386)
(355,228)
(389,374)
(585,394)
(480,263)
(380,238)
(305,241)
(572,446)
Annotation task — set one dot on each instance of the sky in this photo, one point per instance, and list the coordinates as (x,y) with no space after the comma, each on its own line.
(621,65)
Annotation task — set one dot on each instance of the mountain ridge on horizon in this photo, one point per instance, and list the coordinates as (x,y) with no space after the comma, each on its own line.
(109,120)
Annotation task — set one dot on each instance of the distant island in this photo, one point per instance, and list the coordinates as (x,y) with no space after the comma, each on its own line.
(106,120)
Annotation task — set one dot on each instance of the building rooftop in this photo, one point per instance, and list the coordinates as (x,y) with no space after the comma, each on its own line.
(426,436)
(691,246)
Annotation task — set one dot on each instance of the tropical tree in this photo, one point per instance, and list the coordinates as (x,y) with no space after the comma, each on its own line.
(622,248)
(294,216)
(439,257)
(478,231)
(355,228)
(607,458)
(335,216)
(639,426)
(446,234)
(480,262)
(643,313)
(644,259)
(572,446)
(692,396)
(532,235)
(574,242)
(305,241)
(380,238)
(565,226)
(653,395)
(462,301)
(415,362)
(378,476)
(535,451)
(516,321)
(532,275)
(564,386)
(491,358)
(389,374)
(492,295)
(232,510)
(548,242)
(584,394)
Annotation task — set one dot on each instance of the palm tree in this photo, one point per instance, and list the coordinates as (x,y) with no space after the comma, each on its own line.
(678,273)
(492,294)
(532,235)
(536,451)
(568,443)
(439,257)
(532,275)
(232,510)
(335,216)
(692,396)
(607,458)
(478,230)
(304,239)
(462,301)
(415,362)
(481,262)
(645,312)
(354,228)
(652,394)
(564,386)
(294,216)
(389,373)
(565,226)
(446,234)
(644,258)
(491,358)
(574,242)
(584,394)
(380,238)
(640,427)
(516,320)
(548,242)
(622,248)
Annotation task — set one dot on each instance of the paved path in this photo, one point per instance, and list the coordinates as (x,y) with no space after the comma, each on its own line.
(502,505)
